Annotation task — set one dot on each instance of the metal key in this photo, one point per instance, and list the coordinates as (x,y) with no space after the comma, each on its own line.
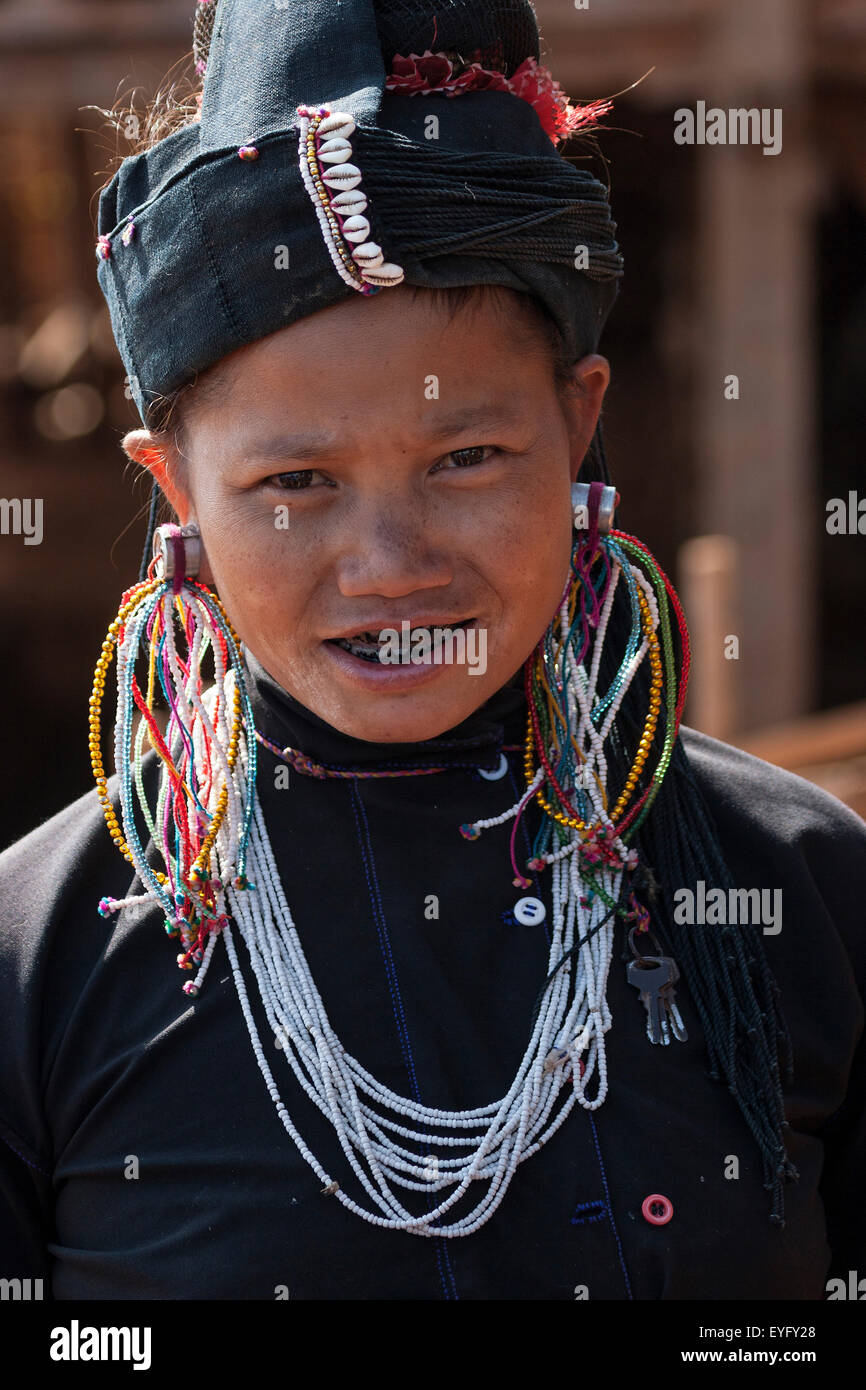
(672,1019)
(653,975)
(667,1006)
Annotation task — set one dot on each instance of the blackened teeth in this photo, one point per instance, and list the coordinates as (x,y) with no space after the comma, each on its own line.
(371,640)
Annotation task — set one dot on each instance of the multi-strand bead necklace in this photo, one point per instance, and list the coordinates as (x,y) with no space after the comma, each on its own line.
(220,872)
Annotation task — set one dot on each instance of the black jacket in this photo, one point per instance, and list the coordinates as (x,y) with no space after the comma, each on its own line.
(143,1157)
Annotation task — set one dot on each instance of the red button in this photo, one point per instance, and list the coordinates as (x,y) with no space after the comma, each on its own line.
(656,1209)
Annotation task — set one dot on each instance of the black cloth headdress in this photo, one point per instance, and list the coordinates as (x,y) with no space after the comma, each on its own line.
(210,239)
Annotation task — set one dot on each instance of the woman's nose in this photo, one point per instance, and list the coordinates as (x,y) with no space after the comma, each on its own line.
(388,551)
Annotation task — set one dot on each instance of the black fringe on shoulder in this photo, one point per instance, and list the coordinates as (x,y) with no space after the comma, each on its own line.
(724,967)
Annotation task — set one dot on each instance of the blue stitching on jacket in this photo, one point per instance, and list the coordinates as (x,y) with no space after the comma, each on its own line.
(587,1213)
(443,1259)
(609,1207)
(24,1158)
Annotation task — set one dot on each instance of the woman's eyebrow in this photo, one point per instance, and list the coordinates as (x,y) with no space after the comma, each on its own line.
(487,416)
(317,442)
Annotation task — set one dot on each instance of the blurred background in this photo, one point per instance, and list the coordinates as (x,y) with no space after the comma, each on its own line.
(738,264)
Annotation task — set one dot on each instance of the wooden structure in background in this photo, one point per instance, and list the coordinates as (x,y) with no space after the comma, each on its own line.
(828,748)
(707,568)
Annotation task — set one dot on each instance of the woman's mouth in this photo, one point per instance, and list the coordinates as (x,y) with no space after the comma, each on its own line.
(377,646)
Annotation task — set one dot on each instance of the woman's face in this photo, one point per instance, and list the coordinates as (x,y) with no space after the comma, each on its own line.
(376,464)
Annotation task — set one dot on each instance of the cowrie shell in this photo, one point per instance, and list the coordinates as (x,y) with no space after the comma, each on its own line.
(339,123)
(368,256)
(355,228)
(334,151)
(342,176)
(349,203)
(387,274)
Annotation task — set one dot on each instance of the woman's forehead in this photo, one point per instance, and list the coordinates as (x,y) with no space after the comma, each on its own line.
(422,331)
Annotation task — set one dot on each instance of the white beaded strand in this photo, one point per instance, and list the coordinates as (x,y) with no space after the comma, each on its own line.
(512,1129)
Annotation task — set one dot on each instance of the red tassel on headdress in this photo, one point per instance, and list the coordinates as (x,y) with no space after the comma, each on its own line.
(428,72)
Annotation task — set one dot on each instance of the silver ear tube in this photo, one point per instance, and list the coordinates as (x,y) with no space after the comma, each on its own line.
(580,507)
(177,546)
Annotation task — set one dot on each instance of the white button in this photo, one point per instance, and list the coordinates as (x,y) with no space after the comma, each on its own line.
(529,911)
(497,772)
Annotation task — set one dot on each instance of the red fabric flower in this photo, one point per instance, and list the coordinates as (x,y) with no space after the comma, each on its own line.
(429,72)
(475,78)
(532,82)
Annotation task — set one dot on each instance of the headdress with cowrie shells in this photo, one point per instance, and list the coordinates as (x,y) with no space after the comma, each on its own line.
(344,146)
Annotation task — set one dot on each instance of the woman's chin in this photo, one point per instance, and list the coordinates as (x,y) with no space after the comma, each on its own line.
(409,705)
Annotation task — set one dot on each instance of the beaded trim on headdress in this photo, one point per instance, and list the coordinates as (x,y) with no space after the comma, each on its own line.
(331,179)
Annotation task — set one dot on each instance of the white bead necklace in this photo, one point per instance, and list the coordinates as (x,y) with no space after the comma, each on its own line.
(365,1114)
(393,1144)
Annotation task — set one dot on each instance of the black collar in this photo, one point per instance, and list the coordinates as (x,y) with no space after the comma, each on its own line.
(477,741)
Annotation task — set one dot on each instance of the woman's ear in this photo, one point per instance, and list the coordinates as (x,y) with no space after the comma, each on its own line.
(163,463)
(143,448)
(590,377)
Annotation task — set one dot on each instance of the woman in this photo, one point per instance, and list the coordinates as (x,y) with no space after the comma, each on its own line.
(469,1004)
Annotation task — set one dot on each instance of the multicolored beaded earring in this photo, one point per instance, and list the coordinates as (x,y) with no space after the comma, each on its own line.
(569,720)
(200,790)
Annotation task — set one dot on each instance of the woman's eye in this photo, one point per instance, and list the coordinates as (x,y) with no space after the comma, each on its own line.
(302,478)
(465,458)
(294,482)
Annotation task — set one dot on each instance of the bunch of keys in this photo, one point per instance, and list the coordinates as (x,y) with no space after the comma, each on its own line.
(655,977)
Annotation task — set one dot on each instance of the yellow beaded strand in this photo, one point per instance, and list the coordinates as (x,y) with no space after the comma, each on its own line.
(140,592)
(201,863)
(644,744)
(202,860)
